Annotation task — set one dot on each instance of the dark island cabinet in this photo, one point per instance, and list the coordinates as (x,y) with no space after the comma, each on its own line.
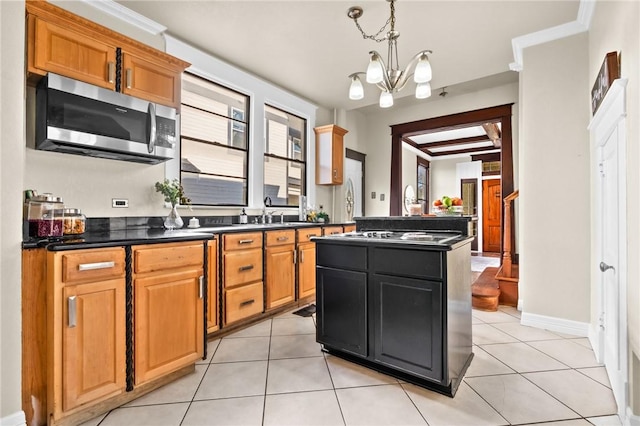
(407,325)
(401,309)
(342,316)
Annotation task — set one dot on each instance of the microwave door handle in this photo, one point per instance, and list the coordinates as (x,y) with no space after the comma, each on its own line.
(152,127)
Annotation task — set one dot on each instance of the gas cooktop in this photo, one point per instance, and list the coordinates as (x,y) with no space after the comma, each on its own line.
(433,237)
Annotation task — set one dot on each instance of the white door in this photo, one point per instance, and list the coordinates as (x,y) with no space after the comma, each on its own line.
(353,189)
(610,341)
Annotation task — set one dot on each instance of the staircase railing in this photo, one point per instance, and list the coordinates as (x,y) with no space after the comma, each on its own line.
(507,249)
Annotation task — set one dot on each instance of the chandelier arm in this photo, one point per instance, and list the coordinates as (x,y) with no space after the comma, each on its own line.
(385,75)
(402,81)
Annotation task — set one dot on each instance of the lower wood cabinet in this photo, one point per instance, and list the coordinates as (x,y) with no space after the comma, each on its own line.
(280,263)
(307,261)
(242,285)
(213,300)
(86,328)
(169,308)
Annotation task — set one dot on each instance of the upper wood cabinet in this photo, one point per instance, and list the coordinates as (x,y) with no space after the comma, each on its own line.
(329,154)
(66,44)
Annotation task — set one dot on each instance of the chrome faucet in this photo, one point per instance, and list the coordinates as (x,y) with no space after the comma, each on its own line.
(267,202)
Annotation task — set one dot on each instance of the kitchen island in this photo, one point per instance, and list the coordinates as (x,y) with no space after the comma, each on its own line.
(397,302)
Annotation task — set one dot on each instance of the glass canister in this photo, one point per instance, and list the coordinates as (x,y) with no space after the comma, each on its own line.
(74,222)
(44,214)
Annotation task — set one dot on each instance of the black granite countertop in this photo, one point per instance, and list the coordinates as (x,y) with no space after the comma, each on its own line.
(456,240)
(112,238)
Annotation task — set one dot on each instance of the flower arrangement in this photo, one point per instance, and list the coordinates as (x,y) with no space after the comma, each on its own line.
(173,192)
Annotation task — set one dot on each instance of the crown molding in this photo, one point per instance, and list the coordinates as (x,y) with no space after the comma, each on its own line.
(127,15)
(580,25)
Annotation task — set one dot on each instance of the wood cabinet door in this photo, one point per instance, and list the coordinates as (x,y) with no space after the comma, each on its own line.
(65,52)
(169,326)
(93,342)
(213,300)
(280,275)
(306,270)
(149,80)
(329,154)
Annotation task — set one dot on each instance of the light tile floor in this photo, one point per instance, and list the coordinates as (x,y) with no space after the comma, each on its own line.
(274,373)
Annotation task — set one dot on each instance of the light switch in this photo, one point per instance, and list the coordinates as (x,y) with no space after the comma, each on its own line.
(381,197)
(373,195)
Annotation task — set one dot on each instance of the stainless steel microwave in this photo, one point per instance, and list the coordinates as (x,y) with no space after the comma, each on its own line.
(80,118)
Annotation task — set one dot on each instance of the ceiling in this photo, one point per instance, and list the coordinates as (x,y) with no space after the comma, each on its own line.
(310,47)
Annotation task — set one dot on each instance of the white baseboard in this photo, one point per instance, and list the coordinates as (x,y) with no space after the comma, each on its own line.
(632,419)
(15,419)
(560,325)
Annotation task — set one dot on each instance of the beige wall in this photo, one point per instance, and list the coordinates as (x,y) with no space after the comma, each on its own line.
(378,133)
(444,178)
(11,172)
(616,27)
(554,180)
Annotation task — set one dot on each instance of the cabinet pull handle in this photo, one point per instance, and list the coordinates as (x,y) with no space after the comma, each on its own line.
(282,238)
(245,241)
(128,78)
(201,287)
(311,235)
(335,173)
(97,265)
(335,232)
(295,256)
(246,268)
(301,256)
(247,302)
(71,308)
(111,70)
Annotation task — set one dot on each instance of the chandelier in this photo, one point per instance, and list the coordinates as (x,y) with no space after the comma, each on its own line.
(388,77)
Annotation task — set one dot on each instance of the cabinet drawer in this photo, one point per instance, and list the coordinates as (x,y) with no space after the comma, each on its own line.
(305,234)
(408,263)
(93,265)
(242,241)
(349,228)
(331,230)
(241,267)
(341,256)
(243,302)
(278,238)
(157,257)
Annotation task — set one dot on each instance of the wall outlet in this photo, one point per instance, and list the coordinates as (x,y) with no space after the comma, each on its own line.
(381,197)
(118,203)
(373,195)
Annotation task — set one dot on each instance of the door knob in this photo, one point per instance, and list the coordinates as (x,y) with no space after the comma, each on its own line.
(604,267)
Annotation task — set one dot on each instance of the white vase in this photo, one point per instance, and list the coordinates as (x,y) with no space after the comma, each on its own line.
(173,220)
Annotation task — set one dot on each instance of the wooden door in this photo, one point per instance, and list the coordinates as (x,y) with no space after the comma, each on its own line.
(148,80)
(93,345)
(280,275)
(491,215)
(213,300)
(306,270)
(169,329)
(73,55)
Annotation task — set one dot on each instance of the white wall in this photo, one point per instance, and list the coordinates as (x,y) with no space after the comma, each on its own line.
(444,178)
(378,134)
(91,183)
(11,173)
(554,175)
(616,27)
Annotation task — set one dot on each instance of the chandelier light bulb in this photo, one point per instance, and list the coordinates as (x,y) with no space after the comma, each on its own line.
(356,91)
(422,73)
(374,70)
(423,90)
(386,100)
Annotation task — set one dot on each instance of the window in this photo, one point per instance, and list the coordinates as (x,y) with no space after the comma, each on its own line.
(214,143)
(284,157)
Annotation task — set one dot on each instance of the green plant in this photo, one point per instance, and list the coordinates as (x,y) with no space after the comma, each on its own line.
(322,215)
(173,192)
